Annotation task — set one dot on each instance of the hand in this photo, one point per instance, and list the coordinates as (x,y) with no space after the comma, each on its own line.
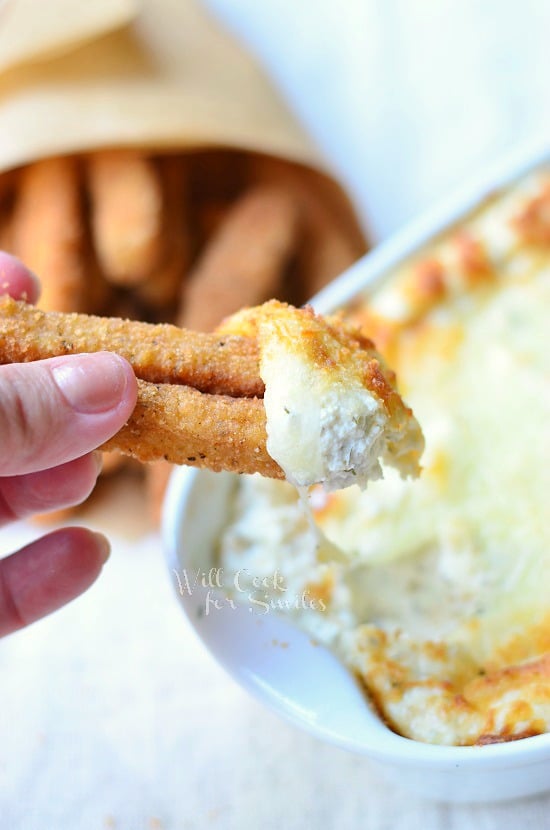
(53,414)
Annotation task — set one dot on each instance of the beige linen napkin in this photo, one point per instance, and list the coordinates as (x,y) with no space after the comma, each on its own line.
(72,78)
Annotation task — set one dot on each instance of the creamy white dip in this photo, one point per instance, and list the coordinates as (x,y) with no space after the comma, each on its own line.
(441,603)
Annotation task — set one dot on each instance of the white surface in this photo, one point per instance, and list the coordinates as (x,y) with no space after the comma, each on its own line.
(112,715)
(406,97)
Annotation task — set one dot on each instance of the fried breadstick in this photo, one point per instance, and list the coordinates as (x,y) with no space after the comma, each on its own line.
(100,295)
(163,286)
(48,231)
(245,260)
(184,426)
(158,353)
(173,422)
(126,214)
(243,265)
(330,407)
(331,240)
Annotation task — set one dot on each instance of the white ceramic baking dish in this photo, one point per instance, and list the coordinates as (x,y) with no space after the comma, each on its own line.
(305,683)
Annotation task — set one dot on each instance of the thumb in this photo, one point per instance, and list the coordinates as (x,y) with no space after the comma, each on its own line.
(52,411)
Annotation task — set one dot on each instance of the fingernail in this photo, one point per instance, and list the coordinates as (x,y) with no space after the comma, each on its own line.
(104,546)
(91,383)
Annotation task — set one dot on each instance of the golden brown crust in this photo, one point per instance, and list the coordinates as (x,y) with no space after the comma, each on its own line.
(245,260)
(126,214)
(533,222)
(462,261)
(473,261)
(159,353)
(48,233)
(184,426)
(429,281)
(330,239)
(189,422)
(163,286)
(242,265)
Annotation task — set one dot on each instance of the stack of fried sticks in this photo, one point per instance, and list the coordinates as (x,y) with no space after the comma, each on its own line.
(179,238)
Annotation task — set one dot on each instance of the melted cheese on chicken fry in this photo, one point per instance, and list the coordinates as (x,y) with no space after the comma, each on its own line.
(331,406)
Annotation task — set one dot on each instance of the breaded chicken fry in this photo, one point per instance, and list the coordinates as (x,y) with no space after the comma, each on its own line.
(319,373)
(158,353)
(331,240)
(184,426)
(163,286)
(242,265)
(245,260)
(47,231)
(126,214)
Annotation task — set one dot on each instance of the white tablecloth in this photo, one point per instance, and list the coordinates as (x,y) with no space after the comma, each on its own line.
(111,714)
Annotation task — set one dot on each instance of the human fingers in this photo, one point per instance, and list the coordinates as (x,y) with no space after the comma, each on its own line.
(46,490)
(47,574)
(55,410)
(16,280)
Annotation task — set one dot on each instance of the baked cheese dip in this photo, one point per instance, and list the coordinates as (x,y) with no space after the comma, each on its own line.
(438,593)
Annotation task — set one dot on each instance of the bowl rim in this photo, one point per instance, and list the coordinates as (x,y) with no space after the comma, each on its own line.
(372,268)
(364,275)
